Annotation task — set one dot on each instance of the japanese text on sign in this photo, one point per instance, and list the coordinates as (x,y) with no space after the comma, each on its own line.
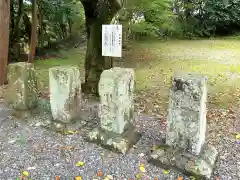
(112,40)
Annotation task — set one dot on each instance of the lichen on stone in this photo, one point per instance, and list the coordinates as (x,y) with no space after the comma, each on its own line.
(65,93)
(116,96)
(186,123)
(22,91)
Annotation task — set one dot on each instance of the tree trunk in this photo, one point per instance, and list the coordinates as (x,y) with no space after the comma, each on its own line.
(12,23)
(40,31)
(4,37)
(63,30)
(33,33)
(40,17)
(27,24)
(70,25)
(97,13)
(16,32)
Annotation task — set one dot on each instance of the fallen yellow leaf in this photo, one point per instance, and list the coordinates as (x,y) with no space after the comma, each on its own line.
(154,148)
(142,169)
(109,176)
(80,163)
(25,173)
(78,178)
(70,132)
(166,171)
(138,176)
(238,136)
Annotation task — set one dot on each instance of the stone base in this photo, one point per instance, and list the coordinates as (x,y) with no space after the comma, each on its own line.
(120,143)
(201,166)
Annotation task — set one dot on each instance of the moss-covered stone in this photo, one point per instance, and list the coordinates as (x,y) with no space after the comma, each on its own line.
(22,93)
(120,143)
(116,88)
(186,123)
(116,131)
(200,166)
(65,93)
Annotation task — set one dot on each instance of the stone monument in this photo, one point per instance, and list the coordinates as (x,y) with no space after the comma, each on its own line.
(185,147)
(22,92)
(116,110)
(65,93)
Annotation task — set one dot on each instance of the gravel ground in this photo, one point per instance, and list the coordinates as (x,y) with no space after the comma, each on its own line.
(45,154)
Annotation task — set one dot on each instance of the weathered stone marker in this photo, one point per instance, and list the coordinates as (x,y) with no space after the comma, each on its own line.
(185,147)
(116,110)
(22,93)
(65,93)
(186,125)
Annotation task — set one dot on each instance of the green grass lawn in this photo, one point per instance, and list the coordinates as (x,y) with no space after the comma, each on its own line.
(155,62)
(73,57)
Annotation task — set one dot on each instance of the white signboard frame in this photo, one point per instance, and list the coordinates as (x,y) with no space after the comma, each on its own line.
(112,40)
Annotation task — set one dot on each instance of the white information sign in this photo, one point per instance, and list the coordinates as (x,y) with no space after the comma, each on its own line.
(112,40)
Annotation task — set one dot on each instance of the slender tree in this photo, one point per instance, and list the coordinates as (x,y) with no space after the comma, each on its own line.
(97,13)
(4,37)
(33,32)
